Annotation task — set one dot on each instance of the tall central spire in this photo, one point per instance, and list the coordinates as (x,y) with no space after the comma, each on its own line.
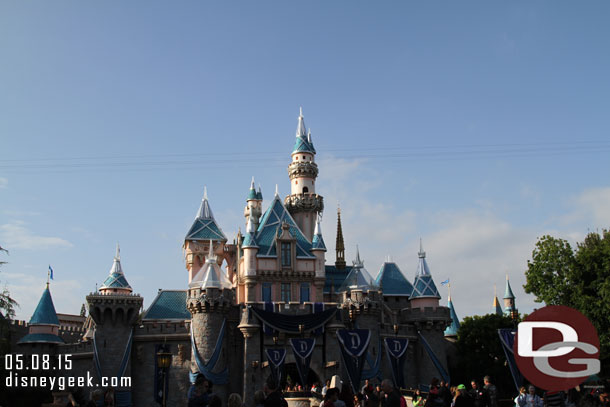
(303,203)
(340,245)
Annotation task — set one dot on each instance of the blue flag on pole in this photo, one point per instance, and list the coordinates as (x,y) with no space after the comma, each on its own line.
(50,272)
(445,282)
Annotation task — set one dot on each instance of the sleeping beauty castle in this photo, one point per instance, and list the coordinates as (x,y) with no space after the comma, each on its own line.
(270,302)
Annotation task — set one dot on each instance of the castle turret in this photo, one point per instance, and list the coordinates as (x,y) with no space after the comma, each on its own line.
(496,307)
(303,203)
(44,324)
(425,293)
(209,300)
(510,308)
(196,243)
(452,330)
(115,312)
(340,244)
(394,285)
(318,248)
(254,205)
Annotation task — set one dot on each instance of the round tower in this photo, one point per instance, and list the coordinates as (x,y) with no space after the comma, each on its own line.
(115,311)
(303,203)
(209,301)
(254,205)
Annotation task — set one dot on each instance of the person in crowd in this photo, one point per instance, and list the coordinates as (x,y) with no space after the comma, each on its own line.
(198,394)
(273,394)
(359,400)
(554,399)
(331,396)
(326,387)
(521,396)
(531,399)
(478,395)
(462,399)
(391,396)
(109,398)
(492,392)
(444,393)
(259,398)
(418,400)
(234,400)
(573,397)
(434,399)
(371,397)
(97,398)
(367,386)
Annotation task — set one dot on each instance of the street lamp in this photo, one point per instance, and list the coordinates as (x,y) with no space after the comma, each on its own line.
(164,361)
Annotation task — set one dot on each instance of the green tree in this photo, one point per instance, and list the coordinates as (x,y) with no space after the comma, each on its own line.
(7,304)
(577,278)
(480,351)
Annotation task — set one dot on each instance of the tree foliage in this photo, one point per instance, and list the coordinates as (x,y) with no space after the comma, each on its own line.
(7,304)
(480,350)
(577,278)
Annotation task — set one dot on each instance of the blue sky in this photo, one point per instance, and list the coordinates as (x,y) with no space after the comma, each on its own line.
(477,126)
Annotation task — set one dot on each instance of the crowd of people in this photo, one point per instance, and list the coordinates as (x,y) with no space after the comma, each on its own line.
(384,394)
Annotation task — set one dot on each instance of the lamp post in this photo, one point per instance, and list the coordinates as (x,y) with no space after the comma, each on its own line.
(164,361)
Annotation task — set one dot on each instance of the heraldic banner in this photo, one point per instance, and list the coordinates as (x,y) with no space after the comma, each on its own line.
(354,344)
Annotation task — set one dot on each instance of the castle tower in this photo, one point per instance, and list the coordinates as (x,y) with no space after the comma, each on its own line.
(510,308)
(318,248)
(303,203)
(44,324)
(452,330)
(496,307)
(254,205)
(210,297)
(197,241)
(115,312)
(394,285)
(340,245)
(250,250)
(425,293)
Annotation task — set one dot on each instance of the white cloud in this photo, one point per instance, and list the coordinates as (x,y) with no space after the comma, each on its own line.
(3,183)
(594,203)
(15,235)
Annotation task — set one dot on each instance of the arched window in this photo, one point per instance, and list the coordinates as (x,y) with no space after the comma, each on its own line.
(305,190)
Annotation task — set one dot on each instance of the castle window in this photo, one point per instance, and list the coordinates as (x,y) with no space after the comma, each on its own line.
(286,292)
(304,292)
(305,190)
(286,254)
(266,292)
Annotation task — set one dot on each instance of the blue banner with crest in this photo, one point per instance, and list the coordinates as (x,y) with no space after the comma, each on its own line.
(303,349)
(396,349)
(276,358)
(354,344)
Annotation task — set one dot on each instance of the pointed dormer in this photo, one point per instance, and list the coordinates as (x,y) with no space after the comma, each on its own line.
(340,244)
(318,241)
(510,308)
(44,324)
(254,204)
(452,330)
(116,283)
(425,293)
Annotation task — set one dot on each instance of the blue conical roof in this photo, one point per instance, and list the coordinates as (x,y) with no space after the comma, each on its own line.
(205,227)
(452,330)
(358,278)
(508,293)
(497,309)
(259,194)
(249,238)
(317,242)
(252,195)
(45,311)
(423,285)
(116,277)
(392,281)
(303,143)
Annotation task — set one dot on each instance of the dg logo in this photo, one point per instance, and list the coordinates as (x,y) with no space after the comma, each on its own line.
(557,348)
